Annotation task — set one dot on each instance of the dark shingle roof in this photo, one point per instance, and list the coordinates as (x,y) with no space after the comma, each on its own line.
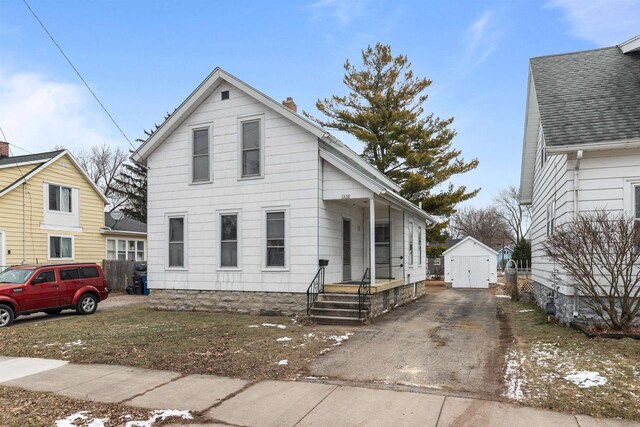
(125,224)
(29,158)
(588,97)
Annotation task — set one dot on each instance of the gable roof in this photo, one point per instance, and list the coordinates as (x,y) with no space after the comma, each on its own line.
(461,242)
(588,97)
(209,85)
(587,100)
(126,224)
(44,160)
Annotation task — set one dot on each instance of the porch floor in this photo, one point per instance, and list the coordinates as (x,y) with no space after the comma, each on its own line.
(352,287)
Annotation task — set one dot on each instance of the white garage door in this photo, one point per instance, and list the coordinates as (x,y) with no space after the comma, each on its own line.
(469,271)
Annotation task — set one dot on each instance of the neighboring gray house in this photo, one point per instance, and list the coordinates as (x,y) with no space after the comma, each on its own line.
(581,150)
(246,197)
(126,238)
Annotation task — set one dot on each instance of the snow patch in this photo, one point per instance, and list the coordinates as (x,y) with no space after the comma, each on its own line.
(586,379)
(160,415)
(282,327)
(83,417)
(253,326)
(513,376)
(338,338)
(529,310)
(283,362)
(503,296)
(283,339)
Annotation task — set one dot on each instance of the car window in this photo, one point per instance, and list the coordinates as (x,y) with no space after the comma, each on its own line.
(89,272)
(45,277)
(15,276)
(70,274)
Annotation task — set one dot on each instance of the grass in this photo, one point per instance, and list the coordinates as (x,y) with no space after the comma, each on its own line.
(22,408)
(224,344)
(543,354)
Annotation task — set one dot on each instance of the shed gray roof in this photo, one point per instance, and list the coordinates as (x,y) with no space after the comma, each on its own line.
(125,224)
(588,97)
(29,158)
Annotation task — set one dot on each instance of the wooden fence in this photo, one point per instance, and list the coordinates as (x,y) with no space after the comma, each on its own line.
(119,273)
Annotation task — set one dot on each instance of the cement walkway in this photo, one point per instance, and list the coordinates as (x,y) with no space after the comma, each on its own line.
(272,403)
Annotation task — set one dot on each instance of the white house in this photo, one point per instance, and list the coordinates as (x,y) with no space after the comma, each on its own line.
(245,197)
(581,151)
(470,264)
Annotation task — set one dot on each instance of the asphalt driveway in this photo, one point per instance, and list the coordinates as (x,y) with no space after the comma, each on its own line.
(449,340)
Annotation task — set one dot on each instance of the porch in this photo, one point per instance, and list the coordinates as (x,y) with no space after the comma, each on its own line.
(380,285)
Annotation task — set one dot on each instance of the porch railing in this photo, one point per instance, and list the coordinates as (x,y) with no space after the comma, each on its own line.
(364,290)
(315,287)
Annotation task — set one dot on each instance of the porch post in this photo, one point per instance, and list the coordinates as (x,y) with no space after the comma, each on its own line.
(372,241)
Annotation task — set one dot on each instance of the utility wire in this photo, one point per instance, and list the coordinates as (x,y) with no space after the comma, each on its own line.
(78,73)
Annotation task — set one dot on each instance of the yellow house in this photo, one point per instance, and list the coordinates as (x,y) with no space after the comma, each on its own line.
(50,211)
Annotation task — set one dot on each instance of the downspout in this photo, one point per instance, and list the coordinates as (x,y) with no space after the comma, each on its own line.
(576,212)
(320,183)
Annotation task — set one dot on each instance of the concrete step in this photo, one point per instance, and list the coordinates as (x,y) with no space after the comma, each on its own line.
(335,312)
(353,305)
(334,296)
(331,320)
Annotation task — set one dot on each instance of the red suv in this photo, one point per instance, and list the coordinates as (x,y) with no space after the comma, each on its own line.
(52,288)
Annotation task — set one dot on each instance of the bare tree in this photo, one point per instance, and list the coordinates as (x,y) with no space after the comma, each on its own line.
(484,224)
(103,164)
(517,216)
(600,253)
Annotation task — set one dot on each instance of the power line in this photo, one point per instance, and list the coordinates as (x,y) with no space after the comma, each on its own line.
(78,73)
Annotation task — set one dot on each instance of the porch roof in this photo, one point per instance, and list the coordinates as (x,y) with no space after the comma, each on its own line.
(376,187)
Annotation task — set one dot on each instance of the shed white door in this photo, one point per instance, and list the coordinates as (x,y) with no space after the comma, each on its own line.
(470,271)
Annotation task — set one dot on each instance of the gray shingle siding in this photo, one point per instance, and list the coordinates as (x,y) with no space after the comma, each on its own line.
(29,158)
(588,97)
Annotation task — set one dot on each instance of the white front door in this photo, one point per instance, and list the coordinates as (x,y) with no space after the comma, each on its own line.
(460,272)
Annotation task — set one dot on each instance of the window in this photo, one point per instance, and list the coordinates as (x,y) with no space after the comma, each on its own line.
(551,218)
(410,243)
(59,198)
(125,249)
(60,247)
(200,145)
(69,274)
(275,239)
(89,272)
(636,195)
(224,95)
(419,245)
(229,240)
(251,148)
(45,277)
(385,300)
(383,243)
(176,242)
(396,296)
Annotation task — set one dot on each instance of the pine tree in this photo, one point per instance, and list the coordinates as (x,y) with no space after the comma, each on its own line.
(385,110)
(522,252)
(132,184)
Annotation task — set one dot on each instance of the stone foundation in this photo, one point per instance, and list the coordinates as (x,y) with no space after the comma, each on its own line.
(261,303)
(405,294)
(564,306)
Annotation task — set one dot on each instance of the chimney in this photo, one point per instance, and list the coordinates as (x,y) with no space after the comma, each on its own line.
(4,149)
(290,104)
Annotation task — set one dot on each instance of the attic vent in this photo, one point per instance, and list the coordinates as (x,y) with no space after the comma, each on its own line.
(225,94)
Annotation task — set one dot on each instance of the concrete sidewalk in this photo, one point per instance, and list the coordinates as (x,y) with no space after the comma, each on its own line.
(272,403)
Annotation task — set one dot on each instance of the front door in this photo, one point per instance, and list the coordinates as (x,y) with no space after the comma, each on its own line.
(346,250)
(383,250)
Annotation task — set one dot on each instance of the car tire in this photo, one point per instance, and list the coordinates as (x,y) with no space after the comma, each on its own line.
(54,311)
(87,304)
(6,315)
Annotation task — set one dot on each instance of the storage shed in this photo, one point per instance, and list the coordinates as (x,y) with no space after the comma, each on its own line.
(470,264)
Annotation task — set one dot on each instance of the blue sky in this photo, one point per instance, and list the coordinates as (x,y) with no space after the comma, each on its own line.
(143,58)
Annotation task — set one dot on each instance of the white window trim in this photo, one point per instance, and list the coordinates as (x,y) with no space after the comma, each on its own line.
(192,128)
(241,120)
(115,239)
(629,195)
(218,239)
(74,191)
(185,241)
(73,247)
(420,246)
(287,238)
(411,243)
